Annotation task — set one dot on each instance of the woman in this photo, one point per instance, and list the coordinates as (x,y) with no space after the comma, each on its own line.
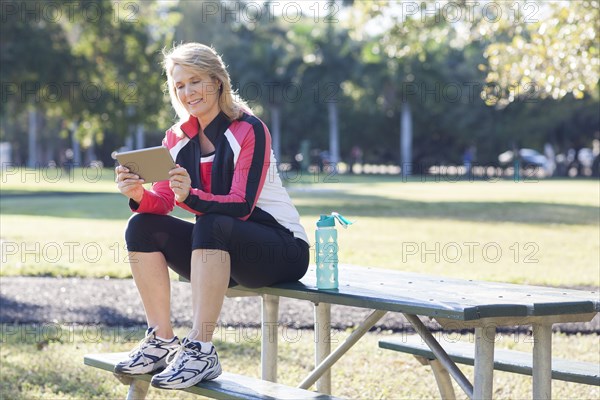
(246,231)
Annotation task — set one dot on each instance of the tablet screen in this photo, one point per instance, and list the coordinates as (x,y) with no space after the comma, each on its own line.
(151,164)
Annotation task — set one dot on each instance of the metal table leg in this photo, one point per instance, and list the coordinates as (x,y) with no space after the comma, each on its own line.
(483,385)
(323,343)
(270,321)
(138,390)
(542,361)
(441,354)
(359,332)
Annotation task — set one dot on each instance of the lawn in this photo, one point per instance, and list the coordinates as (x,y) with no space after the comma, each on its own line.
(45,362)
(523,232)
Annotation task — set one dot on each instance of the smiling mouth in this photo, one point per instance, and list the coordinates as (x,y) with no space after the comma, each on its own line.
(191,103)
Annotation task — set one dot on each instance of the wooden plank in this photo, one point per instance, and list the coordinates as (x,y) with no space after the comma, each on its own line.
(449,324)
(434,296)
(227,386)
(504,360)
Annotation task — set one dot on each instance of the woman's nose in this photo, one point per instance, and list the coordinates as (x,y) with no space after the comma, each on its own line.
(189,90)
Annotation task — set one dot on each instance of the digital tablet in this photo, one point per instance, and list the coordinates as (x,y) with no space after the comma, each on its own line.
(151,164)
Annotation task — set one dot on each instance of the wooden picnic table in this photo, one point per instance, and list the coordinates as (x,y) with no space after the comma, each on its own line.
(454,303)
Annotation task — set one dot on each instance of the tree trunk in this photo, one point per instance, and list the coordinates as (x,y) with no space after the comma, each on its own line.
(334,135)
(90,154)
(32,129)
(139,136)
(76,159)
(276,131)
(406,140)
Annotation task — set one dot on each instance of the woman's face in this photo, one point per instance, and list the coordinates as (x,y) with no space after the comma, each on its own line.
(198,93)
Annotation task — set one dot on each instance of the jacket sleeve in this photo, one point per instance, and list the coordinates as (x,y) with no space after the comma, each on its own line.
(159,200)
(249,176)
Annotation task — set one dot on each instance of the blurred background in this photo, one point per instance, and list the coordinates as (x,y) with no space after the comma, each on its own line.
(379,87)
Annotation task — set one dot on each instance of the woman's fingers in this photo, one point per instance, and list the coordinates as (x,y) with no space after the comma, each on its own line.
(131,181)
(178,170)
(122,176)
(180,182)
(179,177)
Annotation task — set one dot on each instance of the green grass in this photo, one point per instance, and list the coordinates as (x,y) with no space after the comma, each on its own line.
(522,232)
(45,362)
(74,227)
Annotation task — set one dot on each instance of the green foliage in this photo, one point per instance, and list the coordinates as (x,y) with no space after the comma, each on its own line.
(550,55)
(527,79)
(90,68)
(124,54)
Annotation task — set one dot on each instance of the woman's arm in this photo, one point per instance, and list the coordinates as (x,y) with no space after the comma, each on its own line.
(159,200)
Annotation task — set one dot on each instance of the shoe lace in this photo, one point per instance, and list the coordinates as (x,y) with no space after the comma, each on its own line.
(178,358)
(139,349)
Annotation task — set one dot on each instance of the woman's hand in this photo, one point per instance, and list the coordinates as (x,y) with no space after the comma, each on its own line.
(180,183)
(129,184)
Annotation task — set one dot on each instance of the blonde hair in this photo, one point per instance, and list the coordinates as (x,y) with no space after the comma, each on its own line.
(199,58)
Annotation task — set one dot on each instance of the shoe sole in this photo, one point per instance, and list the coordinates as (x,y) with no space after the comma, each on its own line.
(190,383)
(152,371)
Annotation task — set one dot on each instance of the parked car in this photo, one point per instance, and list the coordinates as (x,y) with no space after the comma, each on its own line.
(529,157)
(586,157)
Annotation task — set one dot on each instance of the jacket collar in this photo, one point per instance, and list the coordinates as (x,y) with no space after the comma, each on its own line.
(213,130)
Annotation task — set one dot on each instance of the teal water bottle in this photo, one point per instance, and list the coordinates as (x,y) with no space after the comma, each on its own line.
(327,250)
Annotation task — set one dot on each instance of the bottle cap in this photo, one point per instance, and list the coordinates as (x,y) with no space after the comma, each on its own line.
(325,221)
(329,220)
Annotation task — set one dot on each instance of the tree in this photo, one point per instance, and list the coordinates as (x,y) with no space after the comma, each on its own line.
(30,86)
(122,55)
(261,59)
(85,69)
(483,53)
(550,50)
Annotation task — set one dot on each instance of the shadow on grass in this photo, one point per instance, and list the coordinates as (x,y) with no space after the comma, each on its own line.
(353,205)
(13,311)
(113,206)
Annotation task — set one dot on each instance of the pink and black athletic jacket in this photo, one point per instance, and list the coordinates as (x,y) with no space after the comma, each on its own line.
(239,179)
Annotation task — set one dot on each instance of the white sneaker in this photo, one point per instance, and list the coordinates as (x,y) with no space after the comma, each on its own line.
(149,355)
(190,365)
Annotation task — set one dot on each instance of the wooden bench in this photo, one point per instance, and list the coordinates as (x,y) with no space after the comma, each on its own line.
(518,362)
(226,386)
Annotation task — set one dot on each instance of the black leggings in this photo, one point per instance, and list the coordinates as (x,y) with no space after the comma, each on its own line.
(260,255)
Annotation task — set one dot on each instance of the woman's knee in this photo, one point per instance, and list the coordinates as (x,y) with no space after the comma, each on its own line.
(139,230)
(213,231)
(136,224)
